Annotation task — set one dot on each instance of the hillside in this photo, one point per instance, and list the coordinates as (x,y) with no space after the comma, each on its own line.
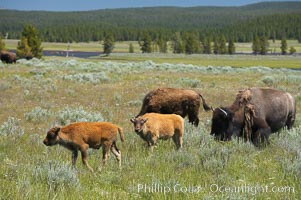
(129,23)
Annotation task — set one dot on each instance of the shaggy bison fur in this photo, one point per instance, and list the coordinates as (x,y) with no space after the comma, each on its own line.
(255,113)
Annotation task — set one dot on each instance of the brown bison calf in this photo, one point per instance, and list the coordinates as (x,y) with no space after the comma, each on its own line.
(153,126)
(83,135)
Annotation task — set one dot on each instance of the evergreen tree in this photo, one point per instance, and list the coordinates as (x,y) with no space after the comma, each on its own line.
(283,46)
(264,45)
(2,44)
(192,44)
(292,50)
(222,45)
(33,40)
(231,47)
(274,36)
(108,44)
(216,49)
(146,43)
(162,44)
(256,45)
(131,48)
(23,49)
(207,45)
(178,44)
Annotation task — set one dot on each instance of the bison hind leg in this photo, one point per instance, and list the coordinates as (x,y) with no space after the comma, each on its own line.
(193,119)
(83,150)
(290,121)
(116,153)
(74,157)
(178,140)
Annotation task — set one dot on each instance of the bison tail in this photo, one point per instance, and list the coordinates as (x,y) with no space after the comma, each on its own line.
(120,131)
(205,106)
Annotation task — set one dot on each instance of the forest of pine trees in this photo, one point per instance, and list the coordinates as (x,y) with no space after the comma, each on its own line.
(241,24)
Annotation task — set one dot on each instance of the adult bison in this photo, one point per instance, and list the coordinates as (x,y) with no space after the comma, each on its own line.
(255,113)
(8,57)
(174,101)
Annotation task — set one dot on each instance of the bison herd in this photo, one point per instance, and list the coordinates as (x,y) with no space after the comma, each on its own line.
(253,116)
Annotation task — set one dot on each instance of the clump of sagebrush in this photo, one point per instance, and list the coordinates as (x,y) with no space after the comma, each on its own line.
(36,82)
(36,71)
(68,115)
(4,85)
(87,77)
(134,103)
(290,140)
(23,186)
(269,80)
(136,67)
(58,176)
(291,78)
(11,128)
(215,157)
(187,82)
(117,98)
(37,114)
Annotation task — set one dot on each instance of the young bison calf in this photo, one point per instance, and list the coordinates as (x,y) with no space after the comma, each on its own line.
(83,135)
(153,126)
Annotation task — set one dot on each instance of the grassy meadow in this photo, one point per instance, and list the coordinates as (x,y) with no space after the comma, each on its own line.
(38,94)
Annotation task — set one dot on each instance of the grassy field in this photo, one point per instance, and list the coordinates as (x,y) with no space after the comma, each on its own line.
(37,94)
(271,61)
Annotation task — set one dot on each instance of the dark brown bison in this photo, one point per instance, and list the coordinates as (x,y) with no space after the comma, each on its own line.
(8,57)
(174,101)
(254,115)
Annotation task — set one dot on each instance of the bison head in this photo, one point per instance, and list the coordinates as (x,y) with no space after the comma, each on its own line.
(221,121)
(226,123)
(138,124)
(52,136)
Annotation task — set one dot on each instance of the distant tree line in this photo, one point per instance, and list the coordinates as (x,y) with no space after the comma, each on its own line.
(240,24)
(188,43)
(272,27)
(260,45)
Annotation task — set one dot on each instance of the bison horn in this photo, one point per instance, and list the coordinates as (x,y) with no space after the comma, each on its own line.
(133,119)
(223,111)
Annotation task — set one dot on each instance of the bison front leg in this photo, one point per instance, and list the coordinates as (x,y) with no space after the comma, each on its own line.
(152,142)
(83,151)
(264,135)
(105,152)
(261,137)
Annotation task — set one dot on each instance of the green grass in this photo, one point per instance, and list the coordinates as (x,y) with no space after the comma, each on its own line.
(37,93)
(212,60)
